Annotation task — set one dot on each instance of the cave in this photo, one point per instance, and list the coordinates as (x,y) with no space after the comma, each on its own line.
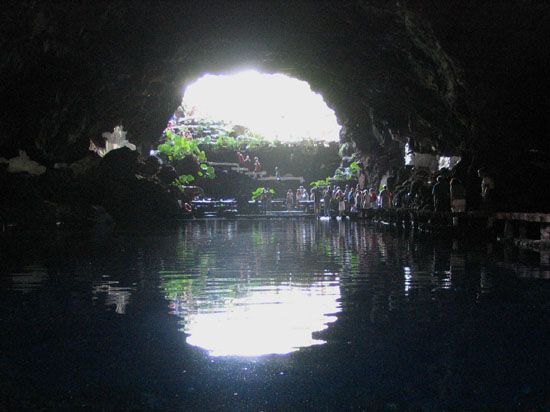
(463,80)
(113,301)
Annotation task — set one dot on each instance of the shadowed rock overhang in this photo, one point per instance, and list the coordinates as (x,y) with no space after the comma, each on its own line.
(460,78)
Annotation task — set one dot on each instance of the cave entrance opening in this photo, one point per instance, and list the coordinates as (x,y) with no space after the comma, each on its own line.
(271,105)
(269,128)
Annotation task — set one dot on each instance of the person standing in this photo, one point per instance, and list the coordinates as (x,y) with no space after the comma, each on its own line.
(316,194)
(257,167)
(373,197)
(289,199)
(326,200)
(487,189)
(440,193)
(385,198)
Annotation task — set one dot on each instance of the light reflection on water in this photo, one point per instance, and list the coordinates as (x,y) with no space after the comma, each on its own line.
(246,294)
(277,320)
(418,321)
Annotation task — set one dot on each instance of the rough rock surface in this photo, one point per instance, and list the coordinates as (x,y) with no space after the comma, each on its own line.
(460,76)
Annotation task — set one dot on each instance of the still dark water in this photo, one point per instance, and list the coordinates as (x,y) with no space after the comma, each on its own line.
(271,316)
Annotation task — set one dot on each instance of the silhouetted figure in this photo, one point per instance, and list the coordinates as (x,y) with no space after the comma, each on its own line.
(385,198)
(487,190)
(326,201)
(440,193)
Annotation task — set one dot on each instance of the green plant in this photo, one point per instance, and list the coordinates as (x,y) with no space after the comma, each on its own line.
(347,173)
(321,182)
(183,180)
(206,171)
(354,168)
(260,191)
(178,147)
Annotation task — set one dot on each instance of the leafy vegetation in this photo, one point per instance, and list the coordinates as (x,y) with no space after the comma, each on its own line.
(206,171)
(347,173)
(183,180)
(260,191)
(178,147)
(192,138)
(321,182)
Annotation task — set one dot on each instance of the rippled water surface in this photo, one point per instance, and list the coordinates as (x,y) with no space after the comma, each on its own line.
(272,315)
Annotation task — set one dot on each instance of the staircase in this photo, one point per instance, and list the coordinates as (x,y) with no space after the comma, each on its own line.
(260,176)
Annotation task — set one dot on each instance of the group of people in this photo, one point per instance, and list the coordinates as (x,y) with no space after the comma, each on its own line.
(337,201)
(353,199)
(452,196)
(447,195)
(302,195)
(245,161)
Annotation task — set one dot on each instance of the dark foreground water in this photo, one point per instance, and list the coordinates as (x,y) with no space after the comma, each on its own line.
(271,316)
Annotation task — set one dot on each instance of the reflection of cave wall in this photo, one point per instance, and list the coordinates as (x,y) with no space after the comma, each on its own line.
(456,77)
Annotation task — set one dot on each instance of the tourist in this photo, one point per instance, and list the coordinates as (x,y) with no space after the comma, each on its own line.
(240,158)
(340,200)
(487,189)
(277,176)
(385,198)
(299,195)
(257,167)
(326,200)
(373,197)
(440,193)
(350,199)
(316,197)
(365,200)
(266,200)
(289,199)
(357,200)
(346,196)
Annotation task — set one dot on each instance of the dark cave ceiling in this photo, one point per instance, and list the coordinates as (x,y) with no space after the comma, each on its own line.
(459,76)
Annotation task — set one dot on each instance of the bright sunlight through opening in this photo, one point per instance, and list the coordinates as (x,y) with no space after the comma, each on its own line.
(276,106)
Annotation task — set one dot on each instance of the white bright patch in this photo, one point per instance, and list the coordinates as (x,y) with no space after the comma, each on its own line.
(277,106)
(265,322)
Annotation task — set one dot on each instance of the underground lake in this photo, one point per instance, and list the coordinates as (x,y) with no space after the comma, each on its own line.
(267,315)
